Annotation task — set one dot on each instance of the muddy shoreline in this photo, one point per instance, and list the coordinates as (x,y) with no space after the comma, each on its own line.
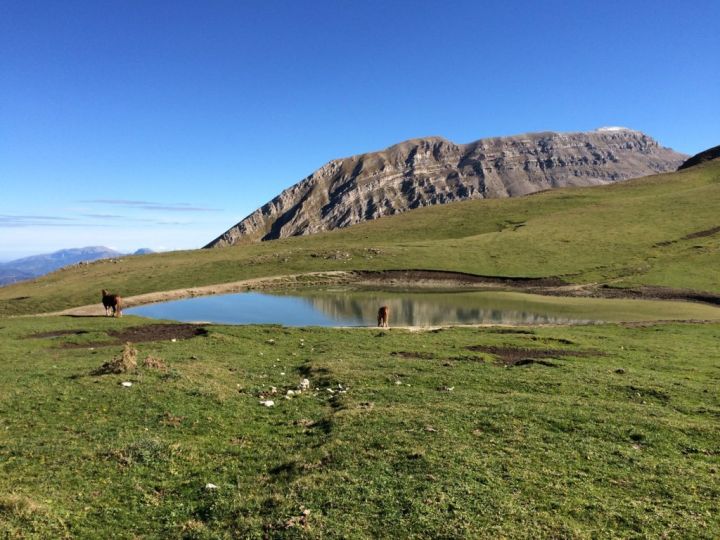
(412,279)
(549,286)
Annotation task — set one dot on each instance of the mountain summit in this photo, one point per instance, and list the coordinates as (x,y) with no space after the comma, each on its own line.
(433,170)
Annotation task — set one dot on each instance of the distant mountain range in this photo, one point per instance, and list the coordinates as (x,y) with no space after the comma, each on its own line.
(38,265)
(433,170)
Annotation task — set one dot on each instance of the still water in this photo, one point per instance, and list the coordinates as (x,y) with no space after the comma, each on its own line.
(359,308)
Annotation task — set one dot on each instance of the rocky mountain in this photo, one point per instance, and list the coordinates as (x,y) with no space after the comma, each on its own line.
(433,170)
(707,155)
(37,265)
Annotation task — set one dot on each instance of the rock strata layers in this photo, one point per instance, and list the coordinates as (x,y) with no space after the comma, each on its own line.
(433,170)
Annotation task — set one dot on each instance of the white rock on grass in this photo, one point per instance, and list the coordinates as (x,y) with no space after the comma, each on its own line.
(126,384)
(210,486)
(305,384)
(267,403)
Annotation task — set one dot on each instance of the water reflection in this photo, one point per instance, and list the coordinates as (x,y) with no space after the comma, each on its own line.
(432,309)
(359,308)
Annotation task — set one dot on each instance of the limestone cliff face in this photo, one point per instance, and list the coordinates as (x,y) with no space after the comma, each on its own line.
(433,170)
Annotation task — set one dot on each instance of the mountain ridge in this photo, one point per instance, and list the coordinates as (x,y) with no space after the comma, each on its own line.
(433,170)
(38,265)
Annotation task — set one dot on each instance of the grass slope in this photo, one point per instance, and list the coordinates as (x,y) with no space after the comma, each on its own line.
(655,230)
(611,432)
(618,439)
(579,449)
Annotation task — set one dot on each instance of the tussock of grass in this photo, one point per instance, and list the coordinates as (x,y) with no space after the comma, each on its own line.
(124,363)
(153,362)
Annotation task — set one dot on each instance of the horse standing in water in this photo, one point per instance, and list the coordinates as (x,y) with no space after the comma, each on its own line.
(112,302)
(384,317)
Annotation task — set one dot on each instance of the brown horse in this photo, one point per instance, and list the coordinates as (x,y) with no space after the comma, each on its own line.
(112,302)
(384,317)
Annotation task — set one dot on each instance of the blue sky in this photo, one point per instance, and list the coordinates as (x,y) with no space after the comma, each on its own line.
(161,124)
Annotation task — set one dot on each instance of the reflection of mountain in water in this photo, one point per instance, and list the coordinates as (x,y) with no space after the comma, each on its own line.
(425,310)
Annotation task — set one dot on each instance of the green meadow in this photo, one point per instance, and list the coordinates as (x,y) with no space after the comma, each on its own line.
(590,431)
(611,433)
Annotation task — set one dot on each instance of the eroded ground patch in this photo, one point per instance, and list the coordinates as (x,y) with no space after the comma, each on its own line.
(135,334)
(520,356)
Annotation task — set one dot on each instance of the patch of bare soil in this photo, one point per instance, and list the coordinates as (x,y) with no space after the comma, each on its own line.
(143,334)
(57,333)
(158,332)
(520,356)
(410,354)
(692,236)
(702,234)
(441,277)
(658,293)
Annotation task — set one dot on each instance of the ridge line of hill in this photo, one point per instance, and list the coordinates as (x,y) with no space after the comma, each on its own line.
(433,170)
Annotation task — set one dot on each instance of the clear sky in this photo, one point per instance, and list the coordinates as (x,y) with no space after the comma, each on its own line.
(162,123)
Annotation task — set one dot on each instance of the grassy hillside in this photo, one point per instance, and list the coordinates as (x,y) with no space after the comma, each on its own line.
(559,432)
(611,433)
(656,230)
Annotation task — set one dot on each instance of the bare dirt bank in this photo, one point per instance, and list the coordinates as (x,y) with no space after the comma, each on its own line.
(550,286)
